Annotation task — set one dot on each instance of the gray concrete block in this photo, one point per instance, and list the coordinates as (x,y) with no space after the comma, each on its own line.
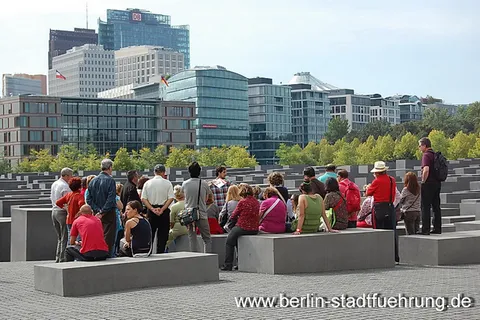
(6,204)
(462,218)
(450,227)
(319,252)
(33,236)
(468,226)
(182,244)
(5,228)
(453,248)
(74,279)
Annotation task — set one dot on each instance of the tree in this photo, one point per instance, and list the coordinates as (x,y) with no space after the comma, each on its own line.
(4,165)
(365,151)
(25,165)
(67,157)
(475,151)
(439,142)
(337,129)
(460,145)
(327,152)
(288,155)
(384,148)
(180,157)
(238,157)
(123,161)
(440,119)
(309,155)
(159,155)
(41,160)
(407,147)
(375,129)
(346,155)
(213,157)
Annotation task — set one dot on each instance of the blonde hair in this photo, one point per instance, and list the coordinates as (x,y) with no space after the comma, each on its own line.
(178,192)
(118,188)
(233,193)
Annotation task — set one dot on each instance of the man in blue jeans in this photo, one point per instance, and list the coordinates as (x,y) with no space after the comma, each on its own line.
(430,191)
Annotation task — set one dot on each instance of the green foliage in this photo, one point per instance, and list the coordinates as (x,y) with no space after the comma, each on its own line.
(123,161)
(68,156)
(384,148)
(407,147)
(180,157)
(213,157)
(41,160)
(375,129)
(337,129)
(461,145)
(327,152)
(238,157)
(475,151)
(439,142)
(289,155)
(440,119)
(346,154)
(365,151)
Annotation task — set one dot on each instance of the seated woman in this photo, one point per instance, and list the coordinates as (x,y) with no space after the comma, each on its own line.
(138,233)
(73,200)
(246,214)
(231,201)
(310,209)
(90,229)
(273,212)
(176,228)
(364,218)
(336,201)
(213,213)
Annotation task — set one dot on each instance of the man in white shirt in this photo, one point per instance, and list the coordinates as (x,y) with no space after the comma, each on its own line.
(157,195)
(59,215)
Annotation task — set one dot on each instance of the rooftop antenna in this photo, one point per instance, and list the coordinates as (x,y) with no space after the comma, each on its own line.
(86,13)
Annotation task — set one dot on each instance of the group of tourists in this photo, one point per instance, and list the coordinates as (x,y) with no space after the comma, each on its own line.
(95,218)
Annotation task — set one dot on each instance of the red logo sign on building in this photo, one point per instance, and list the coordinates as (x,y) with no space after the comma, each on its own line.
(209,126)
(136,16)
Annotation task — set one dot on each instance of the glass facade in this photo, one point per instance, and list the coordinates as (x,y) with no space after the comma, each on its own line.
(411,107)
(125,28)
(270,118)
(109,124)
(60,41)
(310,114)
(354,108)
(221,98)
(15,86)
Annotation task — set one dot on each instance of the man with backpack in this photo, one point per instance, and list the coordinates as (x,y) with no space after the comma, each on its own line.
(434,171)
(352,195)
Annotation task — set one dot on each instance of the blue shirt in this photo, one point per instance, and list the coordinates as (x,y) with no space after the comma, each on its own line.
(327,175)
(101,193)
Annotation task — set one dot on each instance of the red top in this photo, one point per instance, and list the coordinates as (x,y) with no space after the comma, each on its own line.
(91,233)
(75,201)
(247,211)
(380,189)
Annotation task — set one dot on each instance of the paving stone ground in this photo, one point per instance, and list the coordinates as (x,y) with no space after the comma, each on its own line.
(19,300)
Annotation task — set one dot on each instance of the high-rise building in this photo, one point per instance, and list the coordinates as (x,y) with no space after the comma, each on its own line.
(411,107)
(136,65)
(221,98)
(135,27)
(345,104)
(46,122)
(88,69)
(61,40)
(384,109)
(270,118)
(18,84)
(310,108)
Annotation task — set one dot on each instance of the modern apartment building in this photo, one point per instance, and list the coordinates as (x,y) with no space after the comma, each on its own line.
(18,84)
(270,118)
(61,40)
(221,98)
(310,108)
(411,107)
(87,70)
(46,122)
(136,65)
(29,122)
(347,105)
(384,109)
(136,27)
(451,108)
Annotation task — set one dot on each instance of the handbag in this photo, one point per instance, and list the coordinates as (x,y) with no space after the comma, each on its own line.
(230,224)
(224,218)
(189,216)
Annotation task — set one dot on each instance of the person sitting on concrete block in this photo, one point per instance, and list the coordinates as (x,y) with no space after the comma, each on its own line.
(138,232)
(93,245)
(273,212)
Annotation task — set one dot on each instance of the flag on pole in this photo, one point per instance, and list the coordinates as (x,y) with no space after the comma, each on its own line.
(58,75)
(164,81)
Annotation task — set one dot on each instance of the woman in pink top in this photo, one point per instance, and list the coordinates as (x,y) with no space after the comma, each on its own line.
(273,212)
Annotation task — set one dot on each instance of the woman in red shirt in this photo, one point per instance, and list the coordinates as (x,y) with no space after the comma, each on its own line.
(383,189)
(74,200)
(246,214)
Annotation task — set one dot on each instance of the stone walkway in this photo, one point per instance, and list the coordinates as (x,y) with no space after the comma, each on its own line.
(19,300)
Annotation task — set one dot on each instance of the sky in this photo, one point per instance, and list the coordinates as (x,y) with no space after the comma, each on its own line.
(428,47)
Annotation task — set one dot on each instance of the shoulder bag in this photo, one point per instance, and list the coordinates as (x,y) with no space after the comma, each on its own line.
(189,216)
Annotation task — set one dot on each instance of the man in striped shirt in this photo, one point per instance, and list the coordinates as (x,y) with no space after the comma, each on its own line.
(220,186)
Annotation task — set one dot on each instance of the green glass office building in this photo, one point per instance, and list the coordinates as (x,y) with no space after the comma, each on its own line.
(221,98)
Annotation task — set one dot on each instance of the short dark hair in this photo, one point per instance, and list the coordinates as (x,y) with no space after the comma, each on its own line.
(142,181)
(75,183)
(135,204)
(309,172)
(343,174)
(131,174)
(306,187)
(245,190)
(194,169)
(330,167)
(331,185)
(425,142)
(219,170)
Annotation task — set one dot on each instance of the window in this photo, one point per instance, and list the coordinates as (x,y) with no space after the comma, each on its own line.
(51,122)
(35,135)
(21,122)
